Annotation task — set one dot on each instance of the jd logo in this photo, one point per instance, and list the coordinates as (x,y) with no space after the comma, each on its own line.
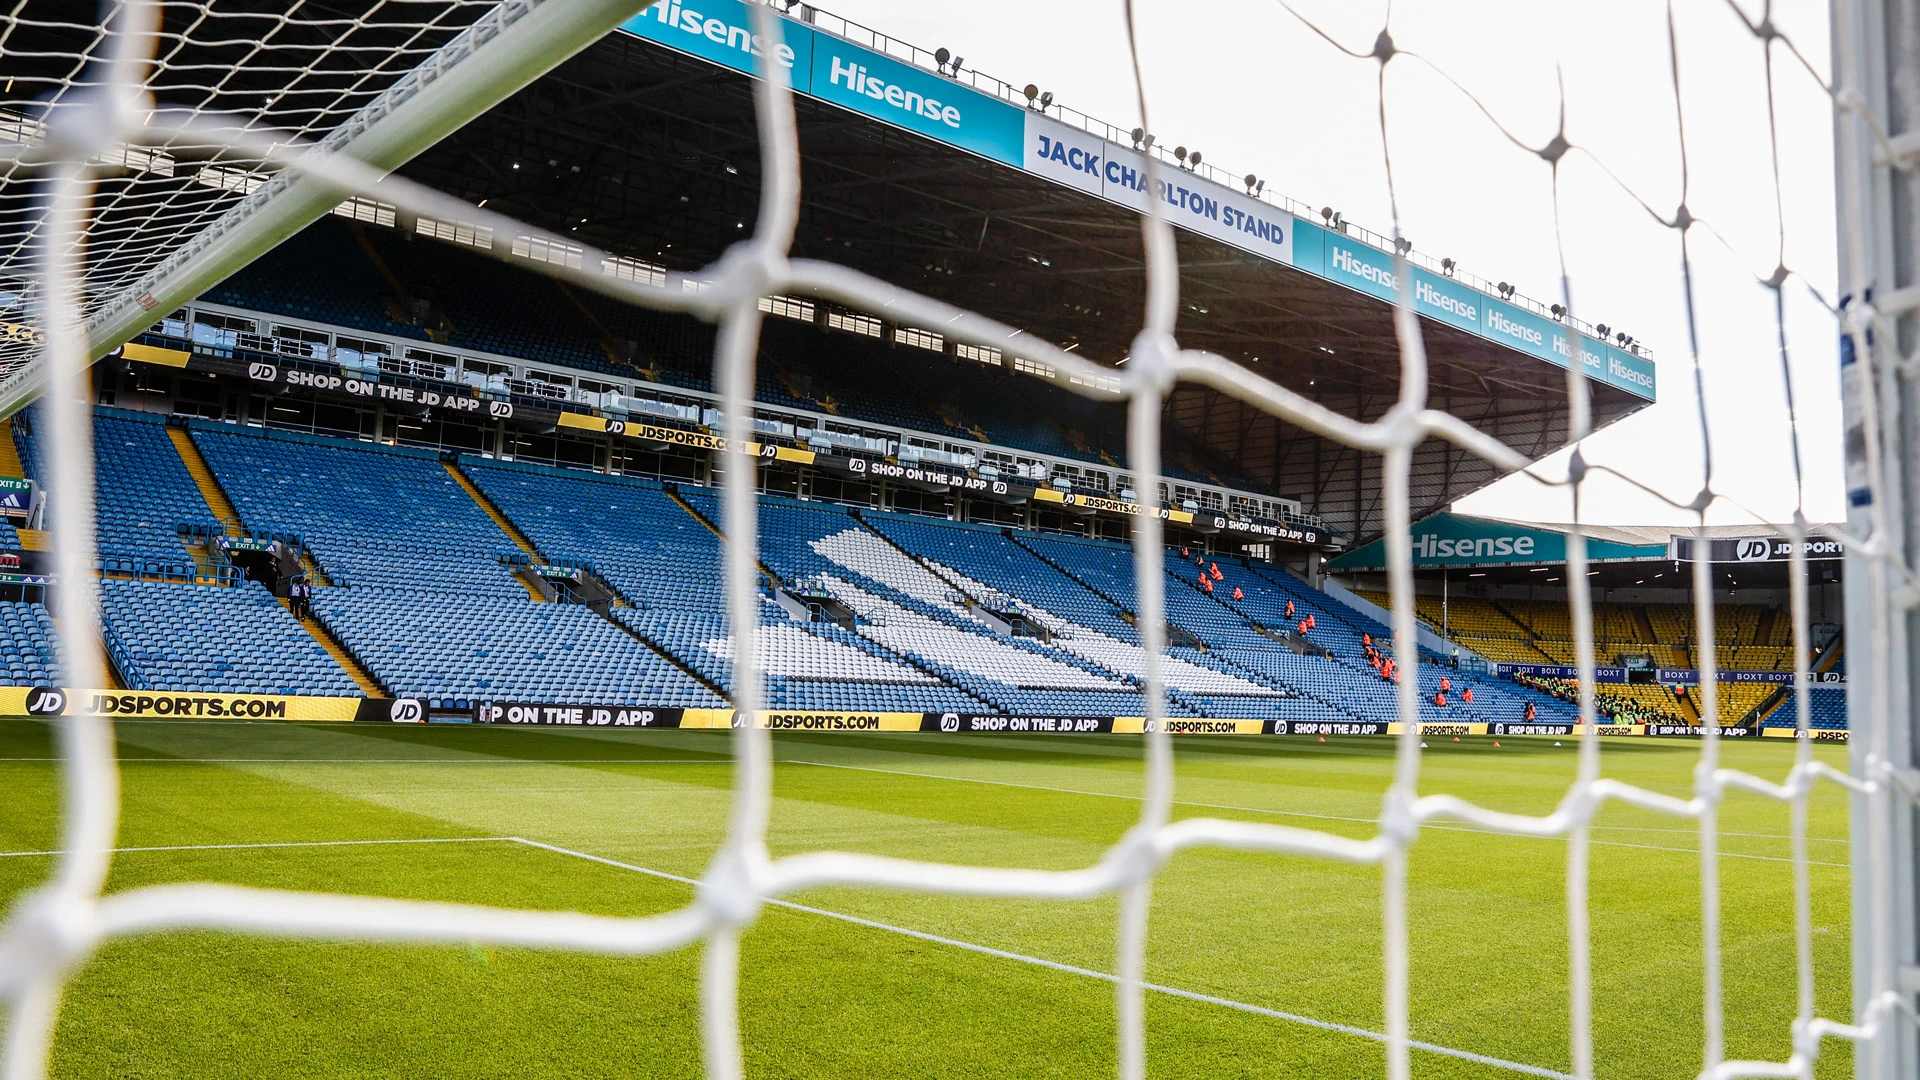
(262,372)
(500,410)
(46,701)
(769,450)
(616,427)
(858,464)
(407,711)
(949,721)
(999,487)
(1752,550)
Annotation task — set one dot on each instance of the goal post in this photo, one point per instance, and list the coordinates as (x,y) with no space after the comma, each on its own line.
(1876,62)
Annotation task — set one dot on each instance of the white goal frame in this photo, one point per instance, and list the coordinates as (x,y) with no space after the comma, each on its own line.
(1877,137)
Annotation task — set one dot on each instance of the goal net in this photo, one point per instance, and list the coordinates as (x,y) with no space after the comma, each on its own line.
(139,171)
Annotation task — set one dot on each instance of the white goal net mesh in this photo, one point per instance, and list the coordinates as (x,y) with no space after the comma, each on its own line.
(91,216)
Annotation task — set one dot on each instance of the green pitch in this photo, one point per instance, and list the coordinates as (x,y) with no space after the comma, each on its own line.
(828,997)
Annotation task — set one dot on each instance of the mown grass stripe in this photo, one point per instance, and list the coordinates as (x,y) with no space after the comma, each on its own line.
(1073,969)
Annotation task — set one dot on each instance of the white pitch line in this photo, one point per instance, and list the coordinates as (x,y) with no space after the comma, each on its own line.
(1071,969)
(1320,817)
(285,844)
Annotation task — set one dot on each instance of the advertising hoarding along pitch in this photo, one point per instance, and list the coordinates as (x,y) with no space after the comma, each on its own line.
(853,77)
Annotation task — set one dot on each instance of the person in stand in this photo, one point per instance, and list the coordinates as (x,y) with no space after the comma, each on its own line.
(1466,696)
(1529,713)
(1289,609)
(1303,628)
(1366,640)
(1237,594)
(296,598)
(1311,624)
(1440,699)
(1445,683)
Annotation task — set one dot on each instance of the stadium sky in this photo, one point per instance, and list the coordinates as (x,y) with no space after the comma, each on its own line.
(1257,91)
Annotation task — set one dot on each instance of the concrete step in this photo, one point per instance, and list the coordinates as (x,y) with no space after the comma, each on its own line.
(203,478)
(359,674)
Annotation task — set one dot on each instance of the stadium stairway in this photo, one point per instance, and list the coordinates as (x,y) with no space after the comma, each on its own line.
(1125,611)
(1526,631)
(9,453)
(669,654)
(480,497)
(714,528)
(210,490)
(506,526)
(349,663)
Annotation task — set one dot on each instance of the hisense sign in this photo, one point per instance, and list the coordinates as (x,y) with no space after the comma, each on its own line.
(1457,540)
(1434,546)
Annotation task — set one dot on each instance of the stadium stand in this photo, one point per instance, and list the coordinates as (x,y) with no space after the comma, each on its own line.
(378,517)
(143,491)
(909,611)
(346,274)
(861,609)
(664,562)
(452,649)
(165,636)
(29,645)
(1749,637)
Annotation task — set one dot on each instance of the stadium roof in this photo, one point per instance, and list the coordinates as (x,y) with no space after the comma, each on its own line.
(652,152)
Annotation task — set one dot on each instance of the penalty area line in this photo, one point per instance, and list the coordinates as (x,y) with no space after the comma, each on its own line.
(1072,969)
